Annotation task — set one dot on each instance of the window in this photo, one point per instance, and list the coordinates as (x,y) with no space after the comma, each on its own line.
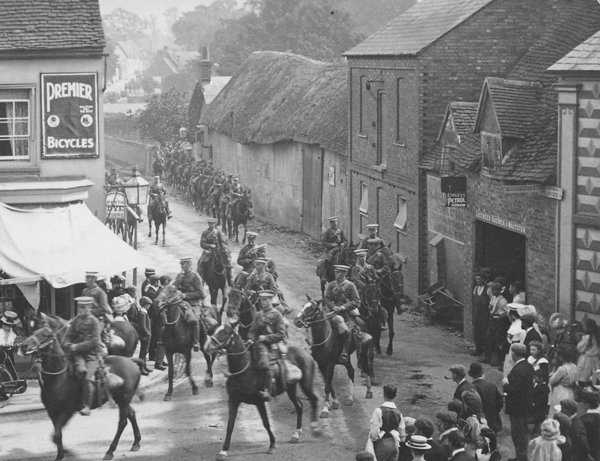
(360,103)
(381,130)
(399,135)
(15,124)
(400,222)
(491,149)
(364,198)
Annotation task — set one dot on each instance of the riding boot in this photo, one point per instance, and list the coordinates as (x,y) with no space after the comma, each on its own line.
(87,392)
(169,216)
(344,357)
(146,369)
(264,386)
(196,336)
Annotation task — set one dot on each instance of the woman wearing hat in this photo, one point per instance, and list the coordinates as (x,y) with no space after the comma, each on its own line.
(562,380)
(515,334)
(545,447)
(589,350)
(7,340)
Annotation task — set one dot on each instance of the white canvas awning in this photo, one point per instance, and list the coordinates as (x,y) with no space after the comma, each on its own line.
(59,245)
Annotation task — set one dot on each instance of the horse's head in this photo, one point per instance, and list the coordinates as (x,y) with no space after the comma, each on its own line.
(221,340)
(370,294)
(38,341)
(234,301)
(310,312)
(247,198)
(223,256)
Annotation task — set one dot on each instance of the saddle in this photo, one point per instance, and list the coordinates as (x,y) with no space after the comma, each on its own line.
(283,373)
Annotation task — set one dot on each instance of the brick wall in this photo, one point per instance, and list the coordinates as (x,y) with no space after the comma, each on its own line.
(417,91)
(128,152)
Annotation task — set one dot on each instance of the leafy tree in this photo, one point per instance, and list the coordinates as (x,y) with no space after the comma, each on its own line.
(312,28)
(162,117)
(112,61)
(122,25)
(196,29)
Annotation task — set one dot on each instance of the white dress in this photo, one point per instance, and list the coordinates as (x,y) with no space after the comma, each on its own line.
(515,334)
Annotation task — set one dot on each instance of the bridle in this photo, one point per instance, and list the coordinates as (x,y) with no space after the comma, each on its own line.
(308,321)
(222,349)
(40,345)
(178,314)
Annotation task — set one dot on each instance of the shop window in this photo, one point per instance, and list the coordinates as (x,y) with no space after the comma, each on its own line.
(364,199)
(15,124)
(402,216)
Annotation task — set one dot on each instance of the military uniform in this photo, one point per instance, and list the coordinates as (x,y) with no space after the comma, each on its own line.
(257,282)
(84,336)
(247,256)
(344,295)
(331,240)
(209,240)
(365,246)
(360,274)
(156,189)
(191,286)
(379,262)
(100,305)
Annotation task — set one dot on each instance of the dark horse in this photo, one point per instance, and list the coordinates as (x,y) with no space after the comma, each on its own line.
(240,305)
(178,337)
(344,256)
(61,391)
(218,275)
(240,212)
(157,212)
(369,311)
(242,384)
(391,286)
(326,347)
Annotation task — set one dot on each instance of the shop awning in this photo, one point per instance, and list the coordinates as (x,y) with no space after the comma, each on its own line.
(59,245)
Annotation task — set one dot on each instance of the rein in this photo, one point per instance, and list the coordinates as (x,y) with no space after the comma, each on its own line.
(309,323)
(178,315)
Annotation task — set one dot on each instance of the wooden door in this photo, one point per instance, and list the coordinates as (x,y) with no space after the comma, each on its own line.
(312,190)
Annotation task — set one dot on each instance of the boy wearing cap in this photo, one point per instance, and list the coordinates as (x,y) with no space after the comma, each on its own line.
(267,330)
(248,252)
(341,297)
(332,239)
(518,391)
(446,422)
(211,239)
(425,427)
(147,273)
(82,342)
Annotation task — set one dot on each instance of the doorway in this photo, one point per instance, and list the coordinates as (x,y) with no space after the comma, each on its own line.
(503,251)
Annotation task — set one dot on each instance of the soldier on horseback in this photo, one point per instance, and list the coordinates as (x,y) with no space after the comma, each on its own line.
(261,252)
(267,332)
(190,285)
(100,307)
(237,192)
(210,240)
(82,342)
(208,170)
(113,179)
(341,297)
(373,234)
(360,274)
(156,188)
(376,258)
(259,280)
(333,240)
(172,296)
(248,252)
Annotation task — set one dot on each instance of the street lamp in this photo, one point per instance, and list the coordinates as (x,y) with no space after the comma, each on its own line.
(183,132)
(136,189)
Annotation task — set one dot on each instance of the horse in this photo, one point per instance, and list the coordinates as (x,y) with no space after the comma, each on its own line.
(157,212)
(326,347)
(218,274)
(158,166)
(62,392)
(369,311)
(240,213)
(124,330)
(243,384)
(344,256)
(391,287)
(239,305)
(197,191)
(132,223)
(178,337)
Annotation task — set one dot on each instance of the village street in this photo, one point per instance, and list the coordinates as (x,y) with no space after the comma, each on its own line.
(193,427)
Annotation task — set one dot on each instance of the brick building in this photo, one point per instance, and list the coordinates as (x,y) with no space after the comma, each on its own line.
(401,81)
(579,170)
(506,154)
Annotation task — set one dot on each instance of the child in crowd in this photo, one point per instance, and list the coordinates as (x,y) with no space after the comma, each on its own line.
(545,447)
(541,395)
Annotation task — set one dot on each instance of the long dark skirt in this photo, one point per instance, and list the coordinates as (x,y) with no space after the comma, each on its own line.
(386,449)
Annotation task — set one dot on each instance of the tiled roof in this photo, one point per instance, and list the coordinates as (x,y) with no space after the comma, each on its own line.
(468,154)
(50,25)
(584,57)
(463,115)
(515,103)
(212,89)
(418,27)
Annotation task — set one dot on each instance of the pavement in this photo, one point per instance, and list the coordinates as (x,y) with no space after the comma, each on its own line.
(31,400)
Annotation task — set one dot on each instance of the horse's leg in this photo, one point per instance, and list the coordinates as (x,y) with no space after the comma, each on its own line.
(327,372)
(307,383)
(164,227)
(123,413)
(262,409)
(391,332)
(245,230)
(156,229)
(59,422)
(233,409)
(171,372)
(208,377)
(137,436)
(292,393)
(188,371)
(214,292)
(149,225)
(350,400)
(367,356)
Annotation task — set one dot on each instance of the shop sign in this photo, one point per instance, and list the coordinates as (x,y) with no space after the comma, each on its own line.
(522,190)
(115,205)
(501,222)
(454,191)
(69,115)
(552,192)
(447,221)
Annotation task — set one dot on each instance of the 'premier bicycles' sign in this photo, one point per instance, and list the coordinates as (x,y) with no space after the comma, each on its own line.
(69,115)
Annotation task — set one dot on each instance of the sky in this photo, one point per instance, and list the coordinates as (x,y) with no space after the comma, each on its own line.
(149,7)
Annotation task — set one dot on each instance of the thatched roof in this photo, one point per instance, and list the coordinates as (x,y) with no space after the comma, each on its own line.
(283,97)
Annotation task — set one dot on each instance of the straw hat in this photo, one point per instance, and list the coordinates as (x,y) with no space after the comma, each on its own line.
(418,442)
(9,318)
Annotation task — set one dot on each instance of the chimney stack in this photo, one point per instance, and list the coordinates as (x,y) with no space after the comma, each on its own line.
(205,65)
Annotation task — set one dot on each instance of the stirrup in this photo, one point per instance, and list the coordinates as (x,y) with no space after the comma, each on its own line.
(343,357)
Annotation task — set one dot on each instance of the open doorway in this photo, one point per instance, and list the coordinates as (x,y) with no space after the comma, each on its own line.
(503,251)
